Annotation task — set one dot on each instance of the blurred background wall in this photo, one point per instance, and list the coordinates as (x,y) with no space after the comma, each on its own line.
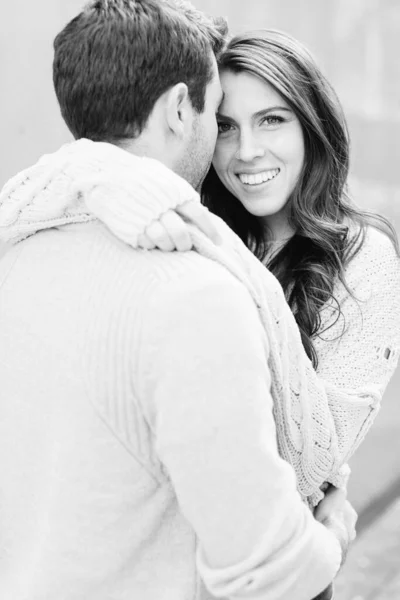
(357,44)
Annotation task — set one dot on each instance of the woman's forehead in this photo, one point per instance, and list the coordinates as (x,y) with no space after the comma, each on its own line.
(244,91)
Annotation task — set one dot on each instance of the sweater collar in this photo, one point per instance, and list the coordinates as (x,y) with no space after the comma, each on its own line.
(61,188)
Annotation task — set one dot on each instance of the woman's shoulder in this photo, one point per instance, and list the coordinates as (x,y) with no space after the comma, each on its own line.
(372,272)
(373,252)
(371,282)
(377,240)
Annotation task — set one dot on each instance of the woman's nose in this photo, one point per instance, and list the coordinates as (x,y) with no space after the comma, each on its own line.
(249,148)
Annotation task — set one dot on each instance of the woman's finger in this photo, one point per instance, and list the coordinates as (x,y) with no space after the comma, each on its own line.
(160,237)
(145,242)
(198,215)
(334,501)
(351,521)
(177,230)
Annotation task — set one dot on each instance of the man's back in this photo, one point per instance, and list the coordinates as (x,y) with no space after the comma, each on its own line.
(86,510)
(137,444)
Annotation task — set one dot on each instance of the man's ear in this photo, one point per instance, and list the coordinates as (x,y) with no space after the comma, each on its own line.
(179,110)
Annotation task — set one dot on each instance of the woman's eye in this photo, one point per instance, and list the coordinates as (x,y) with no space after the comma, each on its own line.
(224,127)
(272,120)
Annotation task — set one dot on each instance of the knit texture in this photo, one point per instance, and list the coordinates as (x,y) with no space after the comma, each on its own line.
(137,443)
(322,417)
(50,193)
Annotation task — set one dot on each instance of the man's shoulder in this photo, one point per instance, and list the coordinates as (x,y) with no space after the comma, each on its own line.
(187,272)
(181,269)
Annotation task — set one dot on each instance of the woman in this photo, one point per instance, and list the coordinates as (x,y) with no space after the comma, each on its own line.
(279,175)
(280,116)
(279,181)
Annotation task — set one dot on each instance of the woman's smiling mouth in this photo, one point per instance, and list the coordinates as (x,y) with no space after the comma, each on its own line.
(258,178)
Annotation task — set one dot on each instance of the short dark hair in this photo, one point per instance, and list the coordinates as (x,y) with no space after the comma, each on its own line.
(117,57)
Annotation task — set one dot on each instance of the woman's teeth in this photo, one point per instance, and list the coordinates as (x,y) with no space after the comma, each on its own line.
(257,178)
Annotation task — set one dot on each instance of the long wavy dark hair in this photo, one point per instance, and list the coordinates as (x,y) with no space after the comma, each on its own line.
(329,228)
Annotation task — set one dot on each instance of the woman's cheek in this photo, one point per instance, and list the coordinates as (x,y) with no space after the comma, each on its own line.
(221,160)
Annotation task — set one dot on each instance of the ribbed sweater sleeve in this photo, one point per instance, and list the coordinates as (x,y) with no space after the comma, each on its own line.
(204,384)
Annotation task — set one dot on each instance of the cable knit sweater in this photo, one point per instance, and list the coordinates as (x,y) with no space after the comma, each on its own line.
(137,442)
(321,417)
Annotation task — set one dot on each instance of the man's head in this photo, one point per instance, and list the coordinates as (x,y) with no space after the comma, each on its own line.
(142,73)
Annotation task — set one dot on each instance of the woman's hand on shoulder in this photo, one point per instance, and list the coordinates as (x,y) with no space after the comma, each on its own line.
(171,231)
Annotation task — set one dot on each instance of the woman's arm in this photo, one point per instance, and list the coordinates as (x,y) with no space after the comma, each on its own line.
(358,351)
(332,410)
(321,417)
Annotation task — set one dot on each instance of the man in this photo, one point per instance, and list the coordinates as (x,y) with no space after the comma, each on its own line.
(137,440)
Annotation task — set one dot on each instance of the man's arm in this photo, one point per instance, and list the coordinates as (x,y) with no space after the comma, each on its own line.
(205,385)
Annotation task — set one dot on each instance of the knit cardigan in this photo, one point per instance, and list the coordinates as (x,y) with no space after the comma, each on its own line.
(321,416)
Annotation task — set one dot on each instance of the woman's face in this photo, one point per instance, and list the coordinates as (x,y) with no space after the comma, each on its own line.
(260,146)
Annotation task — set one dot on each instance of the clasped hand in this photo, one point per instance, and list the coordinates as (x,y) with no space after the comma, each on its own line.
(170,232)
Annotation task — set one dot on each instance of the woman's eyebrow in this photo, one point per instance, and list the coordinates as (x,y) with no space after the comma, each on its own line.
(225,118)
(258,114)
(270,109)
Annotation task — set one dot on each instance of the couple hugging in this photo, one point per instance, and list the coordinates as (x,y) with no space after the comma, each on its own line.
(197,323)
